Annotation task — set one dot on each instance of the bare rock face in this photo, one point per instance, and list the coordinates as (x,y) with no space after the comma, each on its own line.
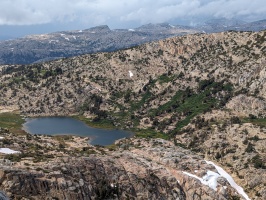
(3,196)
(91,178)
(137,169)
(243,105)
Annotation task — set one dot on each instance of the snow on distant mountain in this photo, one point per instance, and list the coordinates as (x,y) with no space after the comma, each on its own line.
(44,47)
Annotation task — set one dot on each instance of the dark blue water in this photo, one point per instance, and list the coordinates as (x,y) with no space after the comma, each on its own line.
(70,126)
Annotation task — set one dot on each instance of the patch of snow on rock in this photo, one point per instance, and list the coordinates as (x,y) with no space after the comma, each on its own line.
(131,30)
(130,74)
(210,179)
(172,26)
(8,151)
(229,179)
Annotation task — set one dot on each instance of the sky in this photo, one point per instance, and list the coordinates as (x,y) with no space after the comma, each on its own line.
(21,17)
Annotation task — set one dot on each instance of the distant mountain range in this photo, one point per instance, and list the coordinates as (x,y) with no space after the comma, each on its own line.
(220,25)
(44,47)
(38,48)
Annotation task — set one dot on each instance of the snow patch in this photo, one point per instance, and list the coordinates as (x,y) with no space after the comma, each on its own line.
(74,37)
(51,41)
(210,179)
(194,176)
(229,179)
(130,74)
(171,26)
(131,30)
(8,151)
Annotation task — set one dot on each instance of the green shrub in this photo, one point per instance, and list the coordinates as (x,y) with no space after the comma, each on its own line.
(258,163)
(249,148)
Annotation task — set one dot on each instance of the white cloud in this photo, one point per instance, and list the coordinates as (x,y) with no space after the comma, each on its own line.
(93,12)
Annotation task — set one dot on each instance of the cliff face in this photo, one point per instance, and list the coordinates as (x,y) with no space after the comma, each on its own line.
(90,178)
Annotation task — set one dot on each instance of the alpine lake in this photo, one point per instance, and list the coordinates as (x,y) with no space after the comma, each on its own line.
(71,126)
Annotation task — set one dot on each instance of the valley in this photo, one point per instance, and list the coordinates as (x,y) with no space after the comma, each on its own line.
(189,99)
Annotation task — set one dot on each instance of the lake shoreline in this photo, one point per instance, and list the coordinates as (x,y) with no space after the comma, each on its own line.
(75,127)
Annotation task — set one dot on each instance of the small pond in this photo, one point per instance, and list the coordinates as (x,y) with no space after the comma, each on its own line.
(70,126)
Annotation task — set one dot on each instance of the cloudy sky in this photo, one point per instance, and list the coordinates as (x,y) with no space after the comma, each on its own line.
(37,16)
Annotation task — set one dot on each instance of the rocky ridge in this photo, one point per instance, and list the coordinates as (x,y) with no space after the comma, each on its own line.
(133,168)
(189,64)
(223,24)
(44,47)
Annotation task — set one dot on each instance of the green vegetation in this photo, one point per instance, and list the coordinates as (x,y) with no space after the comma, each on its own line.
(149,133)
(107,124)
(164,78)
(255,121)
(102,123)
(136,105)
(14,157)
(111,147)
(12,121)
(250,148)
(258,162)
(189,104)
(201,102)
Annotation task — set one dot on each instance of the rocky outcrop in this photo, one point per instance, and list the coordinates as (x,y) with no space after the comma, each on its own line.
(3,196)
(157,170)
(238,146)
(243,105)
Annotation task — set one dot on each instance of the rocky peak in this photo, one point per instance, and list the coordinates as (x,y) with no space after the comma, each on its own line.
(99,29)
(155,27)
